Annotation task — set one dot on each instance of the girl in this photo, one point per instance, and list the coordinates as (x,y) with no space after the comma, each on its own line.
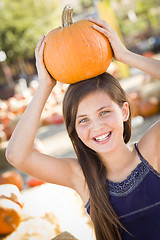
(118,184)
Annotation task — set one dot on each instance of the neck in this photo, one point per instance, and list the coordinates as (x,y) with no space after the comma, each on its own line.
(118,160)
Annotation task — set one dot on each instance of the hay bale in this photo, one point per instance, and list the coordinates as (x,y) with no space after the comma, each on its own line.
(64,236)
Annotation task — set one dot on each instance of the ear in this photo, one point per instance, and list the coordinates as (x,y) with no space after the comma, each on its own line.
(125,111)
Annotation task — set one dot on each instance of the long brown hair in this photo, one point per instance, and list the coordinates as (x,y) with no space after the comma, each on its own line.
(106,223)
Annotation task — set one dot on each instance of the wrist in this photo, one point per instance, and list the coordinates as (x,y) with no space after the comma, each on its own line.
(47,85)
(125,56)
(45,88)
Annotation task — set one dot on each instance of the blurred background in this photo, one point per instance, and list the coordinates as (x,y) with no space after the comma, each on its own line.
(22,24)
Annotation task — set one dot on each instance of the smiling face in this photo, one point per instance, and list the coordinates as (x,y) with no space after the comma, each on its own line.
(99,122)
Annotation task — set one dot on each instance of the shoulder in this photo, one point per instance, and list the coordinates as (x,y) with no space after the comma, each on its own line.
(149,146)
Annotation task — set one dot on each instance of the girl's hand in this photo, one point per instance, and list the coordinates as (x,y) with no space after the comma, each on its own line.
(118,47)
(43,75)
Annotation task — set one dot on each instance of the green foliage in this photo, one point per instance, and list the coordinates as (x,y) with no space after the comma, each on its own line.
(22,24)
(86,3)
(146,11)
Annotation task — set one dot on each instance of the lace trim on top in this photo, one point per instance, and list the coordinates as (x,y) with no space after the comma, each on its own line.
(133,180)
(130,183)
(146,162)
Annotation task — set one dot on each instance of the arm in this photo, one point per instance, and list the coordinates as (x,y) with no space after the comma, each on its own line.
(150,149)
(122,54)
(19,150)
(147,65)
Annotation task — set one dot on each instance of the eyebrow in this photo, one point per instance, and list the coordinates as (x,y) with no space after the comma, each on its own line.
(101,108)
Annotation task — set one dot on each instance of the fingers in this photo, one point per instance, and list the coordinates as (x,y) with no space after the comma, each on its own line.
(103,27)
(40,46)
(100,23)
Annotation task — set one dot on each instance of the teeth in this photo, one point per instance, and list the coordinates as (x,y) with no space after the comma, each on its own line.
(102,137)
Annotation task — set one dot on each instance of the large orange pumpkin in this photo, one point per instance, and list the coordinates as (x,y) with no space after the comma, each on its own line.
(76,51)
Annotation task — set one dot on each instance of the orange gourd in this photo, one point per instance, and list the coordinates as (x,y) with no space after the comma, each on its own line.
(76,51)
(12,177)
(10,216)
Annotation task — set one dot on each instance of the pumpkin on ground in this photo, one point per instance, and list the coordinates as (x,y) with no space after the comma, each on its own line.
(10,216)
(12,177)
(10,208)
(76,51)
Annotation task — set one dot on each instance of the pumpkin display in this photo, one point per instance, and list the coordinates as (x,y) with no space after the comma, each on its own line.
(76,51)
(10,216)
(12,177)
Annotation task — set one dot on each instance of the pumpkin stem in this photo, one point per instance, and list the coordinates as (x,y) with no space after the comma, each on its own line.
(67,15)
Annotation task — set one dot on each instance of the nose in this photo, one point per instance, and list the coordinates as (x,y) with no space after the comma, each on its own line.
(97,125)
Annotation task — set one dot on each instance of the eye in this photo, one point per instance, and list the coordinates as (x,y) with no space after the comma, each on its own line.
(83,120)
(104,113)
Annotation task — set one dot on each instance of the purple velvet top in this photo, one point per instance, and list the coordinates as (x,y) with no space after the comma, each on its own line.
(136,201)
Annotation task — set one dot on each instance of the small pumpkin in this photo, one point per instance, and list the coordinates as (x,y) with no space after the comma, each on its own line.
(10,216)
(76,51)
(149,107)
(33,182)
(12,177)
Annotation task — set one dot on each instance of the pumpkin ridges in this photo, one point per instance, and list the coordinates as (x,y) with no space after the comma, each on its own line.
(84,28)
(95,52)
(69,53)
(86,51)
(70,38)
(54,63)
